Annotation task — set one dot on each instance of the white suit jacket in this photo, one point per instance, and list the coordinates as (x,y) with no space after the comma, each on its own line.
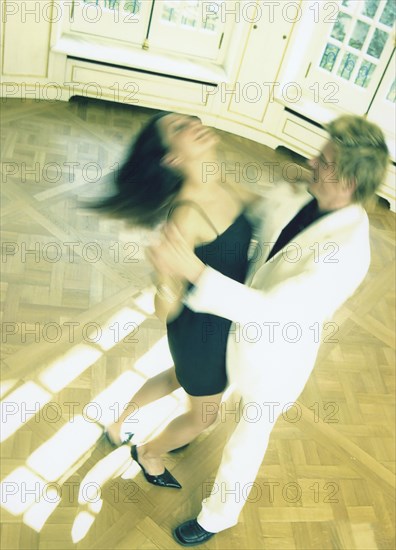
(278,314)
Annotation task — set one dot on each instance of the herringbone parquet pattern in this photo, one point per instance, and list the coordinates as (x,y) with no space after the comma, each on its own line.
(79,335)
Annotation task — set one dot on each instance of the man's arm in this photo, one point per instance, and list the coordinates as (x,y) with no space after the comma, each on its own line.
(315,289)
(318,290)
(217,294)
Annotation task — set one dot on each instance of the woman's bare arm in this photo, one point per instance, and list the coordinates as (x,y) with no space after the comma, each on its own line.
(170,290)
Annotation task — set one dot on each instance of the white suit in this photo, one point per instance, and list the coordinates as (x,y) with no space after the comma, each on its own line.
(277,329)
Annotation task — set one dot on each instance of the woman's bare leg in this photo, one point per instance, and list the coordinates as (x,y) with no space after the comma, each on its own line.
(181,430)
(156,387)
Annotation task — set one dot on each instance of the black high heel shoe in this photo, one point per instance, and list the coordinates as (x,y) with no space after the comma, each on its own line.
(163,480)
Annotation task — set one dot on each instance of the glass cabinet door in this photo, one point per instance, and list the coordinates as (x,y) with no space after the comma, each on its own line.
(347,51)
(124,20)
(356,50)
(190,27)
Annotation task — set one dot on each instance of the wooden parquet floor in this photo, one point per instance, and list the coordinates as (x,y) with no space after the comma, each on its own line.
(79,335)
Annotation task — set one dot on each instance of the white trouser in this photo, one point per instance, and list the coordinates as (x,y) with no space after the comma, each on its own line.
(241,460)
(245,449)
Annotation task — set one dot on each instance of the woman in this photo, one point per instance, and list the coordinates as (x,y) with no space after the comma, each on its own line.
(162,179)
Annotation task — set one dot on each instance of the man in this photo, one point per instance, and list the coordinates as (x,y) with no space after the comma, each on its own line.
(312,254)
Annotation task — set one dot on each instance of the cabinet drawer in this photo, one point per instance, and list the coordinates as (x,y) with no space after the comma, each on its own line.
(133,87)
(311,138)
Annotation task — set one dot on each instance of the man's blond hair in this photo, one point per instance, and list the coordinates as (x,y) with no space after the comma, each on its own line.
(361,154)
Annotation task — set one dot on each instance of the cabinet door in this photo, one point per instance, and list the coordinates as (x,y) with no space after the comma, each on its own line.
(383,108)
(125,20)
(25,40)
(342,60)
(193,28)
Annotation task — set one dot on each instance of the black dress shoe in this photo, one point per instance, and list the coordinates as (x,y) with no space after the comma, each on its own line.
(163,480)
(190,533)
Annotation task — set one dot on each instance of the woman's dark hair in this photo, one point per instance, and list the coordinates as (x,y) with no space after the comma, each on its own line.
(144,186)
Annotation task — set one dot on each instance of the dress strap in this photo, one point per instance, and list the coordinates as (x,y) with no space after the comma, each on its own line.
(197,208)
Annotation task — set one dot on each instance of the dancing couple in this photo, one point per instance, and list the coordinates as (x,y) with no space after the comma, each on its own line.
(204,279)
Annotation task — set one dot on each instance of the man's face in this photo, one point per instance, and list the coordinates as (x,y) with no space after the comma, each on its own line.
(324,176)
(326,186)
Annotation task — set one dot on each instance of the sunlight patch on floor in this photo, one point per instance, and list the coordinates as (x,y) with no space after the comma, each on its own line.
(156,360)
(81,526)
(145,301)
(6,386)
(112,399)
(20,406)
(64,448)
(118,327)
(20,489)
(37,515)
(68,367)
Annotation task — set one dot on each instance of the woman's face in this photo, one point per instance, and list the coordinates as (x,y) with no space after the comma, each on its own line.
(186,137)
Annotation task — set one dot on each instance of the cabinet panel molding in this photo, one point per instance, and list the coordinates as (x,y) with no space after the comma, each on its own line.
(135,88)
(26,38)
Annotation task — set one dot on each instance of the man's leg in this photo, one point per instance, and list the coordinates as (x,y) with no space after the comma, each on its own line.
(263,400)
(241,460)
(266,393)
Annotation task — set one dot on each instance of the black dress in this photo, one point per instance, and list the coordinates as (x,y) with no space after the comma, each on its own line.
(198,341)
